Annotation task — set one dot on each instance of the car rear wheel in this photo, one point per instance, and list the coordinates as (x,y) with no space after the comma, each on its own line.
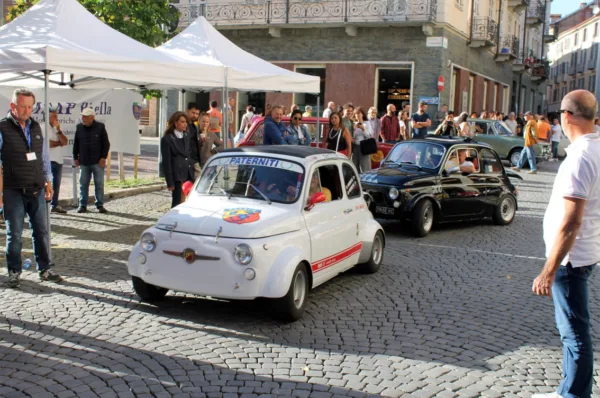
(147,291)
(291,306)
(514,156)
(505,211)
(422,219)
(376,259)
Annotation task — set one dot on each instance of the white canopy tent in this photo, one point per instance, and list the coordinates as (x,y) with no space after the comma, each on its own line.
(202,43)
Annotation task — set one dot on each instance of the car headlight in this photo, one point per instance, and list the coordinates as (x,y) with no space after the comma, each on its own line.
(393,193)
(243,254)
(148,242)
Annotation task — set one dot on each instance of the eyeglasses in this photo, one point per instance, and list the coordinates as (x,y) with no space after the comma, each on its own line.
(297,118)
(565,111)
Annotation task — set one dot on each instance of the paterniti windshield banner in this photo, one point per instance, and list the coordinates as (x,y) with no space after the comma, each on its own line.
(119,110)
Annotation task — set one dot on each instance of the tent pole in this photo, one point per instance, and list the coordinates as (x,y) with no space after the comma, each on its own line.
(162,112)
(47,148)
(318,120)
(181,100)
(225,93)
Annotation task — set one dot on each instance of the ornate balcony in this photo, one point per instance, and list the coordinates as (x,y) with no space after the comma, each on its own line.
(540,70)
(551,34)
(536,13)
(508,48)
(307,12)
(518,5)
(484,31)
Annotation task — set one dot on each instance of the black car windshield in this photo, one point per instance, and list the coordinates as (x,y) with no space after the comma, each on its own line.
(423,154)
(256,177)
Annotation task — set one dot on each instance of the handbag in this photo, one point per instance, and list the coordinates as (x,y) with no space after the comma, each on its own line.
(368,146)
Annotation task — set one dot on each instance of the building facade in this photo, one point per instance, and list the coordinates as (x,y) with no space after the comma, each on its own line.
(574,55)
(490,53)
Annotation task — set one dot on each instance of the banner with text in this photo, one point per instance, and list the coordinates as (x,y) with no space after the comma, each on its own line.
(119,110)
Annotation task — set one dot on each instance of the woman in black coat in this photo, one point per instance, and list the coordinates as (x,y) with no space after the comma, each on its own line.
(175,148)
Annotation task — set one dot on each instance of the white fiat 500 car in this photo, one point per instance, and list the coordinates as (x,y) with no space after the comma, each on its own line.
(270,222)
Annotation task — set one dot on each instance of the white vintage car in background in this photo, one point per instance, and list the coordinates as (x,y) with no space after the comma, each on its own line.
(271,222)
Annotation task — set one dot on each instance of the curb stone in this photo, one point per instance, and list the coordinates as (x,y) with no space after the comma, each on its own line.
(120,193)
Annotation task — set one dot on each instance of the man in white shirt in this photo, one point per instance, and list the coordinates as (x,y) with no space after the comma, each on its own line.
(330,108)
(462,164)
(557,134)
(572,238)
(57,140)
(511,123)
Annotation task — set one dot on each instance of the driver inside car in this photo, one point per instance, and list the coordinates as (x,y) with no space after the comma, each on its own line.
(462,164)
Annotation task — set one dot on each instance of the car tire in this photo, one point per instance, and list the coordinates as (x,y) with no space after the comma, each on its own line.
(291,307)
(422,218)
(505,212)
(376,258)
(514,156)
(147,291)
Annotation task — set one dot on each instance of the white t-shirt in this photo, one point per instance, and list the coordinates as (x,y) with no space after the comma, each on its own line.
(56,153)
(453,163)
(556,133)
(512,125)
(327,113)
(402,124)
(578,177)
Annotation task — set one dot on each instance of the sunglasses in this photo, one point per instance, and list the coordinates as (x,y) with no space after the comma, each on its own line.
(565,111)
(297,118)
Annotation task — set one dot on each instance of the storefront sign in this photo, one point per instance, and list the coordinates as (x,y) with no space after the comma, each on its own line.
(398,94)
(437,41)
(430,100)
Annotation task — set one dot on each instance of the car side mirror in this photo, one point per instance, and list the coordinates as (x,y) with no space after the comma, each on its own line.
(318,197)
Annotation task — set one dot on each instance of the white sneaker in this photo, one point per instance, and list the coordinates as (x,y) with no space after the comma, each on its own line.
(547,395)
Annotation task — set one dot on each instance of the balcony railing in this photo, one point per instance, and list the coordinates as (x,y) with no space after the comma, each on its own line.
(484,31)
(297,12)
(518,4)
(540,70)
(536,13)
(509,45)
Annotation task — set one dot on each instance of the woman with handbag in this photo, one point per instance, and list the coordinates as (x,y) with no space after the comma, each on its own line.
(365,142)
(177,162)
(338,139)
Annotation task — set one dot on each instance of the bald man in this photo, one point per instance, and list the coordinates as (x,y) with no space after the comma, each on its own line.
(572,238)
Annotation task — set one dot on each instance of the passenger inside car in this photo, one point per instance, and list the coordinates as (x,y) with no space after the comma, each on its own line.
(315,186)
(457,162)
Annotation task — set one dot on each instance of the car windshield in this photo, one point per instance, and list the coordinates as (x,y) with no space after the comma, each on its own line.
(256,177)
(421,154)
(502,128)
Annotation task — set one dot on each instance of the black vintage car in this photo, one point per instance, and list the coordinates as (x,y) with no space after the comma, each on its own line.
(441,180)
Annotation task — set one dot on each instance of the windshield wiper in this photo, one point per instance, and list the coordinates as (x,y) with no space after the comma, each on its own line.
(256,189)
(412,164)
(222,191)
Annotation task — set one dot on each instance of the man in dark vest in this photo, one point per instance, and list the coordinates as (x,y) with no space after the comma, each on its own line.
(193,112)
(26,185)
(90,151)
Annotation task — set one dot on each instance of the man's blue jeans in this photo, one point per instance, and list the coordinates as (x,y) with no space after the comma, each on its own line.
(85,177)
(56,179)
(570,295)
(555,149)
(528,153)
(16,205)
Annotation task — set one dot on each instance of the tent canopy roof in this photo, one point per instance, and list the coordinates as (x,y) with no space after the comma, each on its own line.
(202,43)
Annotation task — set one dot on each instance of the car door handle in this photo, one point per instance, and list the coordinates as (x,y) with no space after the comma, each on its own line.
(347,211)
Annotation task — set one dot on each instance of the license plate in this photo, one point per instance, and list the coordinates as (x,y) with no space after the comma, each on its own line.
(384,210)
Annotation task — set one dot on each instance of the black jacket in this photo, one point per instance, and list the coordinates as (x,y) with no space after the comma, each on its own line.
(195,141)
(17,171)
(177,163)
(91,143)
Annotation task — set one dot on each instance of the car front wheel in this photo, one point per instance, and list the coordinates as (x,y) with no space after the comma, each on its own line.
(422,220)
(291,306)
(505,211)
(376,258)
(146,291)
(514,156)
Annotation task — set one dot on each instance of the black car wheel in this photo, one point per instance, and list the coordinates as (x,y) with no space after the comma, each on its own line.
(422,219)
(291,306)
(376,259)
(147,291)
(505,211)
(514,156)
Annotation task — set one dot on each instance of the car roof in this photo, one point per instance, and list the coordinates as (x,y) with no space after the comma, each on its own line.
(451,141)
(297,151)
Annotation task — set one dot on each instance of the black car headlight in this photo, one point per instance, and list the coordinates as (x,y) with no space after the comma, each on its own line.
(393,193)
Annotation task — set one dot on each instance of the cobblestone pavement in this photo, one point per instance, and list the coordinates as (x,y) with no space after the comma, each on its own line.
(450,315)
